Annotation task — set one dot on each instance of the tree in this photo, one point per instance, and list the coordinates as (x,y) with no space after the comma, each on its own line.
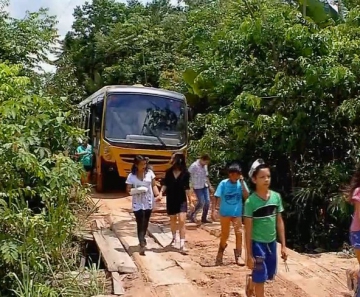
(27,41)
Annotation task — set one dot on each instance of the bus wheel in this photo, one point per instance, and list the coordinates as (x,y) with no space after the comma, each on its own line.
(99,183)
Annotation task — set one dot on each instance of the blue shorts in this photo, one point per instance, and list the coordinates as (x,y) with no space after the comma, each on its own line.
(266,261)
(355,239)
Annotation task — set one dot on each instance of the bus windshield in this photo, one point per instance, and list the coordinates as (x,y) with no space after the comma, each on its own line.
(145,119)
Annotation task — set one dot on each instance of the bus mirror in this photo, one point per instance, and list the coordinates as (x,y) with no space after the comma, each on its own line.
(190,113)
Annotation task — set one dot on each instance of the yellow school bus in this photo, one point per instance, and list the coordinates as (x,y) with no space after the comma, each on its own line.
(125,121)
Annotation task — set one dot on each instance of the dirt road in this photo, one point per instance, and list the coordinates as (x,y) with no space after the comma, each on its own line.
(167,273)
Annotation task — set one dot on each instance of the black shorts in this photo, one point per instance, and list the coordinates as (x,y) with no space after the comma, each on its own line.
(87,168)
(176,207)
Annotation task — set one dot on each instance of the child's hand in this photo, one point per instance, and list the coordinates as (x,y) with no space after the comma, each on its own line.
(284,254)
(214,215)
(158,198)
(191,206)
(250,262)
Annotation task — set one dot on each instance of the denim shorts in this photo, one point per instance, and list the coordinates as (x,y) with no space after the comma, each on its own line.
(355,239)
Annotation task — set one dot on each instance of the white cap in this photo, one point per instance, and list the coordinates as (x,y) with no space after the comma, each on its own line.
(255,165)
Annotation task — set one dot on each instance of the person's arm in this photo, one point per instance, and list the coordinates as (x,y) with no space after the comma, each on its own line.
(191,172)
(187,188)
(248,222)
(208,179)
(128,183)
(153,183)
(281,228)
(356,200)
(244,188)
(79,153)
(164,182)
(217,196)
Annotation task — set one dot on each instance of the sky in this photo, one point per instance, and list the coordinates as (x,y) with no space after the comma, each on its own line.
(63,9)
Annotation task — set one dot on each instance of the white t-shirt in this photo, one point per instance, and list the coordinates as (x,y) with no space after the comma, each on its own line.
(142,200)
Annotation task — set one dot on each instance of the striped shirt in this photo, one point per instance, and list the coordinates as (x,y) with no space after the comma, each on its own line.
(198,175)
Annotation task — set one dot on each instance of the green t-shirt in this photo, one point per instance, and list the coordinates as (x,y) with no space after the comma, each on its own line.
(263,213)
(86,160)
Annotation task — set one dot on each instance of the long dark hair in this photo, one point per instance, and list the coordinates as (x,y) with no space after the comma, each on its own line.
(137,160)
(179,162)
(354,183)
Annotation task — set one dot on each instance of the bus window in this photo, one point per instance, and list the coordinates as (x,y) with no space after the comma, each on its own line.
(142,118)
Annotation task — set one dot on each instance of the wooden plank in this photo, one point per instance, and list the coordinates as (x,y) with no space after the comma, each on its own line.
(84,235)
(191,226)
(194,271)
(161,237)
(118,288)
(160,271)
(113,253)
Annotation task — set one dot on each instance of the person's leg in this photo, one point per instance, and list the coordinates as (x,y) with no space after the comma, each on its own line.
(225,231)
(199,204)
(213,207)
(357,279)
(88,176)
(206,206)
(237,224)
(173,227)
(259,274)
(147,215)
(139,222)
(354,282)
(182,220)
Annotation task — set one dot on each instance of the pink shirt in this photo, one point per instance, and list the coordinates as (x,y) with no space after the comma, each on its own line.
(355,224)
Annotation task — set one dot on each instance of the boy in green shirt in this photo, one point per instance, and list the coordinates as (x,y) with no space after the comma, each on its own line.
(262,218)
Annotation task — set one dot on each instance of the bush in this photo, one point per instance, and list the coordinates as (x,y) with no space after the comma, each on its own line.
(36,179)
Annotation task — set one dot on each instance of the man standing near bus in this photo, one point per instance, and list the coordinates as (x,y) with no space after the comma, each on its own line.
(201,185)
(85,154)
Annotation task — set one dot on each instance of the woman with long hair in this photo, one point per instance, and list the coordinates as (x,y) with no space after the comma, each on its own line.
(140,184)
(177,186)
(353,197)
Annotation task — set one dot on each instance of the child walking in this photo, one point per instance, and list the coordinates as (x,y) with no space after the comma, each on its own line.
(177,186)
(263,221)
(354,199)
(140,184)
(229,202)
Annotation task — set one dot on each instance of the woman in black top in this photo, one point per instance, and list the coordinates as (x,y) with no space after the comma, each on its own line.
(177,186)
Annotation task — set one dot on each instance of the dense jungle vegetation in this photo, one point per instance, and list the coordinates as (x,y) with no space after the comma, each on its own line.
(266,78)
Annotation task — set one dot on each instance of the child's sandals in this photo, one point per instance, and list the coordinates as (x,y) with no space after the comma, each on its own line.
(249,291)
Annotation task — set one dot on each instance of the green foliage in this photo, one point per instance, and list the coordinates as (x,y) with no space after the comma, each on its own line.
(36,176)
(27,41)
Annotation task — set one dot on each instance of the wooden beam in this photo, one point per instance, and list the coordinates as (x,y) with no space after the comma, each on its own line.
(118,288)
(113,253)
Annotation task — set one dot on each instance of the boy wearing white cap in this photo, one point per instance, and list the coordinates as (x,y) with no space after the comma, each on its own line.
(263,221)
